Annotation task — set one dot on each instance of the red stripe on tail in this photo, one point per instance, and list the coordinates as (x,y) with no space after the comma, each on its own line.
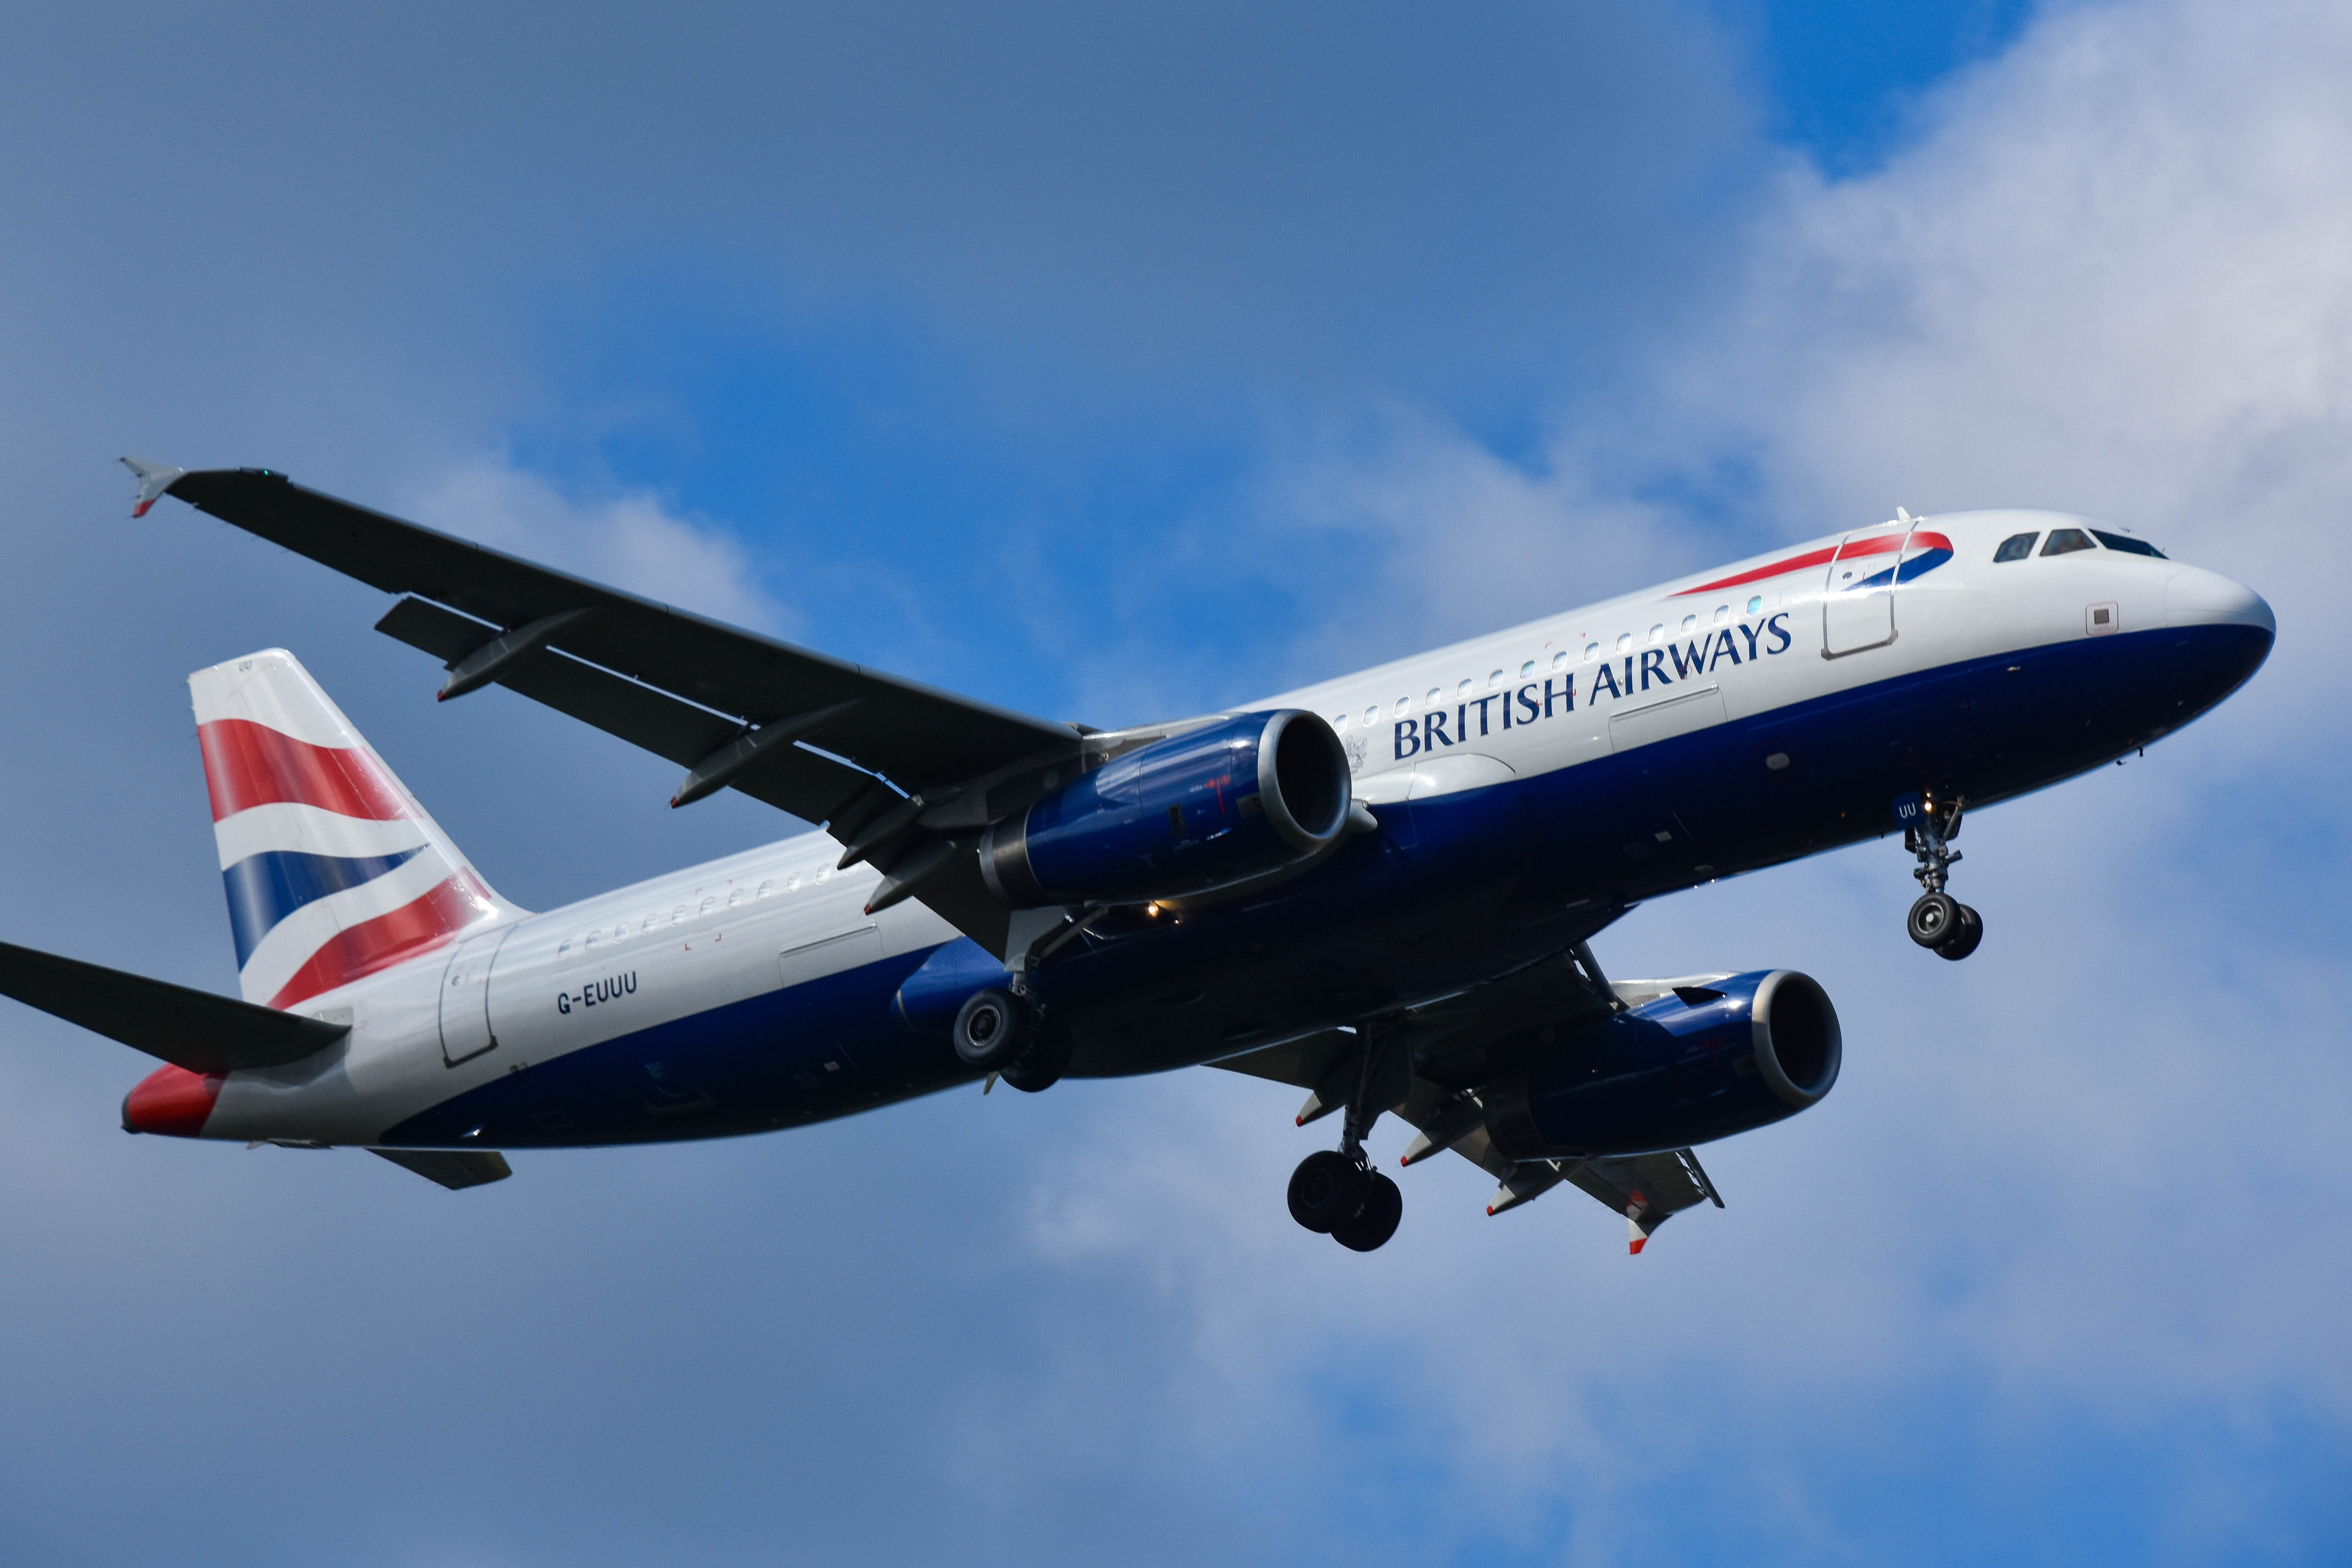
(429,923)
(249,764)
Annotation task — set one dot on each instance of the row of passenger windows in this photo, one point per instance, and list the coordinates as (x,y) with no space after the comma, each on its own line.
(2066,541)
(1436,696)
(623,928)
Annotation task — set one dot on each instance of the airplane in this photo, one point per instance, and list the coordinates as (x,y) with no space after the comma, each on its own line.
(1381,889)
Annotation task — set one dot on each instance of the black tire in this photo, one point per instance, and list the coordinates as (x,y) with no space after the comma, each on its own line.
(1041,1067)
(1375,1220)
(990,1030)
(1933,920)
(1327,1188)
(1965,936)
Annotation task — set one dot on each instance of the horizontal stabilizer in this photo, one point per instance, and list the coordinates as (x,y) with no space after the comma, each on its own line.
(195,1029)
(452,1168)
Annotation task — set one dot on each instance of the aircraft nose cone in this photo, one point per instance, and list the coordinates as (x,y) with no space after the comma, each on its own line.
(2196,598)
(171,1100)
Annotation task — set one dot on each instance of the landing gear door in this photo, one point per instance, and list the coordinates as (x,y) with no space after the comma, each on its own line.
(466,998)
(1858,597)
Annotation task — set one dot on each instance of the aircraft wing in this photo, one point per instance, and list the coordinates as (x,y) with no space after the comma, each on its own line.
(903,775)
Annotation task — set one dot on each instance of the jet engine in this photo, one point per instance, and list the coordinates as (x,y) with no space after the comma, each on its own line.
(1187,815)
(1700,1061)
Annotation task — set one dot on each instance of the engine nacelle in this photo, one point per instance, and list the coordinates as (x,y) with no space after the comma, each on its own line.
(1701,1063)
(1184,816)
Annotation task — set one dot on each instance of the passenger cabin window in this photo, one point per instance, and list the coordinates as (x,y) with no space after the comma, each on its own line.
(2016,547)
(2127,544)
(2066,541)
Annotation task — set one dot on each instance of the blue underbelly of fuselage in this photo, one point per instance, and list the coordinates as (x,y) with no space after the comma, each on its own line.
(1454,889)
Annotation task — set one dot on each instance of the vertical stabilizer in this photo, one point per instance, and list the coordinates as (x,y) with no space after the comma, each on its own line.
(333,869)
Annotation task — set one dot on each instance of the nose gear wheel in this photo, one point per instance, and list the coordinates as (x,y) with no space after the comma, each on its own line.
(1940,922)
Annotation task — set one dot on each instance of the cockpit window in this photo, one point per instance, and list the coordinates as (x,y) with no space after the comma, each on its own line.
(2127,545)
(2016,547)
(2066,541)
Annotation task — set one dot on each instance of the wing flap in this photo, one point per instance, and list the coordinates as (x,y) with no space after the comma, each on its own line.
(195,1029)
(1647,1189)
(792,779)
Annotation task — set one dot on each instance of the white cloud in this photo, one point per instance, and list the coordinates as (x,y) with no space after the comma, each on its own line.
(630,541)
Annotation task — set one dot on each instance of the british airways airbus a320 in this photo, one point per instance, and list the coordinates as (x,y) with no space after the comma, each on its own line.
(1381,889)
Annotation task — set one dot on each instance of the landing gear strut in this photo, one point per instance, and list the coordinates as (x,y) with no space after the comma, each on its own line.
(1940,922)
(1336,1191)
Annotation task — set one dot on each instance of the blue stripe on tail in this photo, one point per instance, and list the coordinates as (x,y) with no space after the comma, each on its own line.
(264,889)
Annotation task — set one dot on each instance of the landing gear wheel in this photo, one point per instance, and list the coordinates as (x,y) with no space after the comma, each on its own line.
(991,1030)
(1375,1220)
(1934,919)
(1964,938)
(1328,1189)
(1047,1057)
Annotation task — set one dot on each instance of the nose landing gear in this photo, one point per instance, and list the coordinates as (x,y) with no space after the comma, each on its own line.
(1938,923)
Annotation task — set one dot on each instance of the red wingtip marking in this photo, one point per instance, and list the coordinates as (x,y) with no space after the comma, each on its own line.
(171,1100)
(1639,1244)
(1490,1214)
(141,510)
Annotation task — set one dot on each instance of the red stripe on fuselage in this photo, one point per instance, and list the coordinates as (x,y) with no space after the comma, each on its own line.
(1778,569)
(1878,545)
(429,923)
(249,764)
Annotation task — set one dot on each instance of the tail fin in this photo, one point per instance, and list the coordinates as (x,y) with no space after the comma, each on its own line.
(333,870)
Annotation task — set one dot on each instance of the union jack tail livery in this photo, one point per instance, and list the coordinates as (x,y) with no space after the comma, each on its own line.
(333,870)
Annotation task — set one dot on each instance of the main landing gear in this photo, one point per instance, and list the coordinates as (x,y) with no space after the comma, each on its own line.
(1940,922)
(1000,1033)
(1336,1191)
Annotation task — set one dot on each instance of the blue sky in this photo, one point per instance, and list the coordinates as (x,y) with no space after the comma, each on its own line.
(1116,363)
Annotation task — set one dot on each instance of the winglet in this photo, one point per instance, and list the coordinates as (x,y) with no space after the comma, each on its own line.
(154,479)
